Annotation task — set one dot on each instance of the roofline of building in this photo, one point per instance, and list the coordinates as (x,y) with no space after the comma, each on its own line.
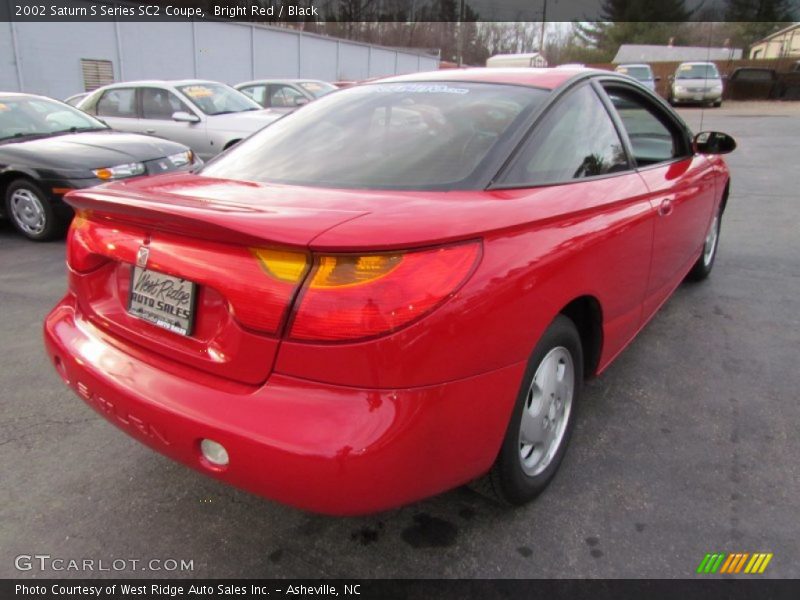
(777,33)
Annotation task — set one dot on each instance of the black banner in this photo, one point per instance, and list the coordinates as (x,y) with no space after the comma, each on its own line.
(404,589)
(321,11)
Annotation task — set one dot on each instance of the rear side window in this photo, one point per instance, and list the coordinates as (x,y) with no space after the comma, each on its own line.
(653,137)
(117,103)
(575,139)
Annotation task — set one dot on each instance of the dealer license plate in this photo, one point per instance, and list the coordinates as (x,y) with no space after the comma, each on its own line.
(163,300)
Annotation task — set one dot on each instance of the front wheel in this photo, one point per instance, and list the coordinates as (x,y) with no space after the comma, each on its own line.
(31,212)
(702,268)
(543,417)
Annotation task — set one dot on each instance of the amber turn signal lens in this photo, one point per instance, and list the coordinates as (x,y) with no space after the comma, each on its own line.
(281,264)
(339,271)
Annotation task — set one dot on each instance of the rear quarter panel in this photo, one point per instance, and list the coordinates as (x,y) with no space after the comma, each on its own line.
(590,238)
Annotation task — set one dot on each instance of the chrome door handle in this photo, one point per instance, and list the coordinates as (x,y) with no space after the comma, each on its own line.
(150,131)
(666,207)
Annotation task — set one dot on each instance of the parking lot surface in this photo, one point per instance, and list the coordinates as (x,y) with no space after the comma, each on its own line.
(688,444)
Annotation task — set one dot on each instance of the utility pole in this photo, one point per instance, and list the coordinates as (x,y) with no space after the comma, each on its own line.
(460,51)
(544,24)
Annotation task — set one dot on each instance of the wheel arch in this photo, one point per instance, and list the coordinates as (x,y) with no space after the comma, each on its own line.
(725,193)
(587,314)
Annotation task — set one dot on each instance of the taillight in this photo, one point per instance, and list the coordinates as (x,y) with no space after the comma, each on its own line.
(349,297)
(81,245)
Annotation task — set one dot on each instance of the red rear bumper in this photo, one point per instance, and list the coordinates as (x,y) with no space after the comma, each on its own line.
(316,446)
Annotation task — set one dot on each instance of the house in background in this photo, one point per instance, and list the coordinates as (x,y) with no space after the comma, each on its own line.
(651,53)
(530,59)
(783,43)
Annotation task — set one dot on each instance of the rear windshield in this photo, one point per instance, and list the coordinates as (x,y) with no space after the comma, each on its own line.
(640,73)
(392,135)
(697,72)
(753,75)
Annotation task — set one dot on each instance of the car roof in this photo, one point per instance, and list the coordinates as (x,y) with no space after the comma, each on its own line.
(160,82)
(547,78)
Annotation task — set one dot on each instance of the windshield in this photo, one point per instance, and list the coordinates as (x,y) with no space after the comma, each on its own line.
(697,72)
(317,88)
(22,117)
(393,135)
(217,99)
(640,73)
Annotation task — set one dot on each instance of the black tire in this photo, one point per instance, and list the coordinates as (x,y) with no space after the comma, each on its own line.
(717,104)
(54,225)
(508,480)
(705,262)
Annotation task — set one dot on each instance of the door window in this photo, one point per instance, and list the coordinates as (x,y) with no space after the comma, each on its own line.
(653,136)
(158,103)
(257,93)
(282,96)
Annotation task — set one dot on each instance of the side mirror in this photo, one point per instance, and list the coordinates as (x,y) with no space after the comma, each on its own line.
(300,101)
(713,142)
(182,116)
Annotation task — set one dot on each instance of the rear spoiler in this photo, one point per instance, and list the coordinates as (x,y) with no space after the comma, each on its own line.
(209,219)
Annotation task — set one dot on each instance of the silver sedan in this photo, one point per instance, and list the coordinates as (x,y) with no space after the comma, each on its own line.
(205,115)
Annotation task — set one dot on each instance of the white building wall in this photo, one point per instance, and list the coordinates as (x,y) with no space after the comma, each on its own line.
(47,55)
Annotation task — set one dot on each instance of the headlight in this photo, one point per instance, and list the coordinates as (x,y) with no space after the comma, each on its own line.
(680,88)
(181,158)
(716,88)
(119,172)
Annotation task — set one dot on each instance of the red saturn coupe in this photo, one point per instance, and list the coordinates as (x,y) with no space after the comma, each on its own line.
(394,291)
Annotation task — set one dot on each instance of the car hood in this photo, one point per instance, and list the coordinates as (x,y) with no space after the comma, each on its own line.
(88,150)
(246,122)
(330,219)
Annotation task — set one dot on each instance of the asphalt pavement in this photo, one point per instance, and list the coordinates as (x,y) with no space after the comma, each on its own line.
(688,444)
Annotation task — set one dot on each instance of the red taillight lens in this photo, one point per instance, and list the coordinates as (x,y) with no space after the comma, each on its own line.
(349,297)
(81,245)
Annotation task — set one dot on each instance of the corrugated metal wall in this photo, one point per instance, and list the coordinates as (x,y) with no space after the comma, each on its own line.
(45,57)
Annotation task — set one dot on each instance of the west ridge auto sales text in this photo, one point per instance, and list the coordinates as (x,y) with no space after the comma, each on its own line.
(173,590)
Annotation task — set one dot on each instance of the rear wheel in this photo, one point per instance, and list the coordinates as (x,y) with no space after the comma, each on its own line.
(31,212)
(702,268)
(543,417)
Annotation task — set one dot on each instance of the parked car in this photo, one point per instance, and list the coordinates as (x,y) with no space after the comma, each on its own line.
(696,83)
(641,72)
(362,313)
(48,148)
(205,115)
(751,83)
(75,99)
(285,95)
